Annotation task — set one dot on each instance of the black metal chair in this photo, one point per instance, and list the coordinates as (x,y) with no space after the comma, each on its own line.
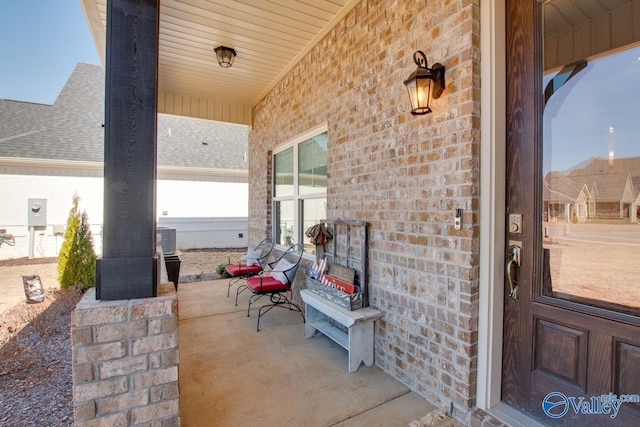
(276,283)
(250,264)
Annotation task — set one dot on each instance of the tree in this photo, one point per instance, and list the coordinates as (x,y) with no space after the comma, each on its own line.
(77,259)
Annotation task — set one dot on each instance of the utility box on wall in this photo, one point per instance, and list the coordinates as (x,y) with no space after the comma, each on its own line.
(37,213)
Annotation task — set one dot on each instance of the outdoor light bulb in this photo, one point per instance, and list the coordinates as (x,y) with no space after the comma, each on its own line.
(416,95)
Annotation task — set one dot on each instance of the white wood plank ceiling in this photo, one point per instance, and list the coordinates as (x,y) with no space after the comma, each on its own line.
(584,29)
(269,36)
(563,15)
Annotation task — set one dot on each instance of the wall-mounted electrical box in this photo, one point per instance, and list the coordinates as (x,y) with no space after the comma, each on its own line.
(37,212)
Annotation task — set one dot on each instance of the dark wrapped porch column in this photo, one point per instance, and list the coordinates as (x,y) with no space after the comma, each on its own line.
(128,265)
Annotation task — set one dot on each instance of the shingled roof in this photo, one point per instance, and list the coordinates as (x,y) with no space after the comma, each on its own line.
(606,181)
(560,188)
(72,129)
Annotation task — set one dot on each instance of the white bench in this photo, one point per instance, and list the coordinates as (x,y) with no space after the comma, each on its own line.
(358,341)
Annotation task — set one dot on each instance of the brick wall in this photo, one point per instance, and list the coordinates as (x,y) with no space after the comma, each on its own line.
(405,175)
(125,361)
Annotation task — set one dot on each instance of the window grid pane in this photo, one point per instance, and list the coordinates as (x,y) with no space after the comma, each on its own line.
(283,173)
(284,223)
(312,165)
(311,212)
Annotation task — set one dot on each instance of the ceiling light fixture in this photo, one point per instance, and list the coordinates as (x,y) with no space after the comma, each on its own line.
(225,56)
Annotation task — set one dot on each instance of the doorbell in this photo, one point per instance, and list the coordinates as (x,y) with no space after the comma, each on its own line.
(458,219)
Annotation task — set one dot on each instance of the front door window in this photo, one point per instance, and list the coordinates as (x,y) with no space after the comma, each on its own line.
(591,168)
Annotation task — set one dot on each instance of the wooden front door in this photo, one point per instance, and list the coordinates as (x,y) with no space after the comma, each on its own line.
(571,353)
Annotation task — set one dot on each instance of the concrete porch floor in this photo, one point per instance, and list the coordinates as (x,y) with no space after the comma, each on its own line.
(231,375)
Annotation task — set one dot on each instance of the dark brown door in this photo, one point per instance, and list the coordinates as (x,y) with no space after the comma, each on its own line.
(572,324)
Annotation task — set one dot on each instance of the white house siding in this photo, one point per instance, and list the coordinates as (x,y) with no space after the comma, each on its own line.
(198,233)
(58,191)
(204,214)
(179,198)
(202,199)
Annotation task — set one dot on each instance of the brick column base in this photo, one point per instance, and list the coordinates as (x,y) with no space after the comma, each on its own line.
(125,361)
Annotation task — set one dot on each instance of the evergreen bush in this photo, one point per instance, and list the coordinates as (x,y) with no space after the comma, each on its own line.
(77,259)
(222,271)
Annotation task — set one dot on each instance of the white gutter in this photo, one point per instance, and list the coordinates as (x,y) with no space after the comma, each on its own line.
(98,166)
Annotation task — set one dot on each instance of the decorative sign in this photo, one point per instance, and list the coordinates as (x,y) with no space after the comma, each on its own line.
(337,284)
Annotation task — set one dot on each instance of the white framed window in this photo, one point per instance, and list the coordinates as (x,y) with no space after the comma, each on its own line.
(299,187)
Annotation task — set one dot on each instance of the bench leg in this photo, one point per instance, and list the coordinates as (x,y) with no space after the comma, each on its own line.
(360,345)
(312,315)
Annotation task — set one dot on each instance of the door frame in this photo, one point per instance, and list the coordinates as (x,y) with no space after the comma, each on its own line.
(492,217)
(492,201)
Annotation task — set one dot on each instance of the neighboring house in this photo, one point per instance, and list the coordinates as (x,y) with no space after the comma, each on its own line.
(50,152)
(562,197)
(601,189)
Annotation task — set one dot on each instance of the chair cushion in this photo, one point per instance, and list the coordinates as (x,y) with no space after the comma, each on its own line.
(269,284)
(280,270)
(242,269)
(251,257)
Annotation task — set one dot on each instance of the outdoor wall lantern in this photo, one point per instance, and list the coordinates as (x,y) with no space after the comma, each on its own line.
(424,84)
(225,56)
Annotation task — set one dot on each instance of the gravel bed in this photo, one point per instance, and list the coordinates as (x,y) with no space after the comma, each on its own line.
(35,362)
(35,346)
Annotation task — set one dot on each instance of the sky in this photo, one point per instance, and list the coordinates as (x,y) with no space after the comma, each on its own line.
(596,114)
(41,41)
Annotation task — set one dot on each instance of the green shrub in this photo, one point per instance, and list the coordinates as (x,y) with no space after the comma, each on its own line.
(77,259)
(222,272)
